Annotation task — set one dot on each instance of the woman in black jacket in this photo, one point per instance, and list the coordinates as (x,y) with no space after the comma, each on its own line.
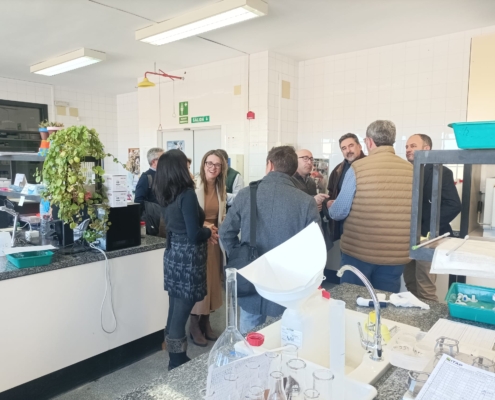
(184,261)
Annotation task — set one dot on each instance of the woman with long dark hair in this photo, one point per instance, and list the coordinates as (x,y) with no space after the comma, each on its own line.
(184,261)
(212,197)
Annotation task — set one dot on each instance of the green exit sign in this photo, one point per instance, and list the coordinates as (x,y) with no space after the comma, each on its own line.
(184,108)
(195,120)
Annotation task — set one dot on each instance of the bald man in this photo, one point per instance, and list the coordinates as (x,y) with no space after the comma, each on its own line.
(303,179)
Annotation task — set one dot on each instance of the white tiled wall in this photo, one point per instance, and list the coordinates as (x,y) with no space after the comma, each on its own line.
(96,110)
(127,124)
(282,112)
(420,85)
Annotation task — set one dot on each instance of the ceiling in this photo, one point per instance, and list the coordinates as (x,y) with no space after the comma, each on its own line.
(302,29)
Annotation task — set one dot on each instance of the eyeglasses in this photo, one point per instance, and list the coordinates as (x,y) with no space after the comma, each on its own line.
(306,158)
(211,165)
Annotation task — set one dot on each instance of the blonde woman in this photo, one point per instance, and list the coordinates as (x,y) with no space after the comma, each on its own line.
(212,196)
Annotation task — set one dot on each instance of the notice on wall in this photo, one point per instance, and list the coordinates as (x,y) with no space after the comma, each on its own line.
(176,144)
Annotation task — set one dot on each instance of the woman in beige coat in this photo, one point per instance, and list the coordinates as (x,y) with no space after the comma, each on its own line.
(210,190)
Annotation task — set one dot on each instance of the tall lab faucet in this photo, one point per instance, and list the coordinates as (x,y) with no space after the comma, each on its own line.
(376,345)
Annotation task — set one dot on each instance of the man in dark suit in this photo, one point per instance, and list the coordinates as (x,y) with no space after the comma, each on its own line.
(417,275)
(283,211)
(143,188)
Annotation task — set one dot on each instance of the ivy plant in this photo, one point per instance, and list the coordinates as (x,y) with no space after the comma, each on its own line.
(64,178)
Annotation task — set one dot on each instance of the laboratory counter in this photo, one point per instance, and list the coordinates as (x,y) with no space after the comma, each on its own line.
(185,382)
(59,260)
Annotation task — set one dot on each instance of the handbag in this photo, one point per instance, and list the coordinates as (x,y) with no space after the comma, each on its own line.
(245,253)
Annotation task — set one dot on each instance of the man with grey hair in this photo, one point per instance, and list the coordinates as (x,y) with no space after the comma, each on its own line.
(375,202)
(144,191)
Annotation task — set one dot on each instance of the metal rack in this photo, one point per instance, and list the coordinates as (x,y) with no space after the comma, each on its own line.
(438,158)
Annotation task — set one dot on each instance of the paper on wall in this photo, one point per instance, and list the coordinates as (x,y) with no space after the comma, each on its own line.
(476,258)
(292,265)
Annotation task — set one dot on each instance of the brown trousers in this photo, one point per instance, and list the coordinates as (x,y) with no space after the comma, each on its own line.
(419,281)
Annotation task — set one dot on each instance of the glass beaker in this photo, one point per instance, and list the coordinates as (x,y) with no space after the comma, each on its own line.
(290,352)
(277,391)
(416,381)
(231,345)
(295,381)
(447,346)
(484,364)
(312,394)
(255,393)
(253,368)
(322,382)
(233,390)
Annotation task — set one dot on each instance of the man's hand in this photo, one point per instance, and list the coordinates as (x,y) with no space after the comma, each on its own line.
(319,198)
(214,236)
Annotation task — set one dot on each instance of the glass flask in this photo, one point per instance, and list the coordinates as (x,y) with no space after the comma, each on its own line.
(231,345)
(322,382)
(277,391)
(295,383)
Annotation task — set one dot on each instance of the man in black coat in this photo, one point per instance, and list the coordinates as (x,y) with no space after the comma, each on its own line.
(143,188)
(417,275)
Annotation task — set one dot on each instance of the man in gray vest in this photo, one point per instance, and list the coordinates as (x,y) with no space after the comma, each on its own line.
(283,211)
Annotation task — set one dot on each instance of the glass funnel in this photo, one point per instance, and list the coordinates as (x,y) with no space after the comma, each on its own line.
(231,345)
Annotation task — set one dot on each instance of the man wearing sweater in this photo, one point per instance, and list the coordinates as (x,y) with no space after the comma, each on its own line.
(375,202)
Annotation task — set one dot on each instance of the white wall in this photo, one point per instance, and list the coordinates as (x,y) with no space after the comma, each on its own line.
(420,85)
(96,110)
(127,125)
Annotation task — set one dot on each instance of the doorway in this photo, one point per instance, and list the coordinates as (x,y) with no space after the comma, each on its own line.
(194,143)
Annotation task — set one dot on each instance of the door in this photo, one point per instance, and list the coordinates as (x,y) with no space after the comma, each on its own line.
(204,141)
(193,143)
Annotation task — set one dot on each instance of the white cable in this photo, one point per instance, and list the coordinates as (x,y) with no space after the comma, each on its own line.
(108,282)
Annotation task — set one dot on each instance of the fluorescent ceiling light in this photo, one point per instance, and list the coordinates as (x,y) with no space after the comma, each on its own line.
(214,16)
(67,62)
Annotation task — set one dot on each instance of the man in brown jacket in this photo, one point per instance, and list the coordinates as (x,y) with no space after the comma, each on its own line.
(375,202)
(352,151)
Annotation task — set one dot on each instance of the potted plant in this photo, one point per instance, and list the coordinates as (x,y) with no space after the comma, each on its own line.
(43,129)
(54,127)
(64,179)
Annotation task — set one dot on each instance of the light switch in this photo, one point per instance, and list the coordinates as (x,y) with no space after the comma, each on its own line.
(61,110)
(73,112)
(285,90)
(237,90)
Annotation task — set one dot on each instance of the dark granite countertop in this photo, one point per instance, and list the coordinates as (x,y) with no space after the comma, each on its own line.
(185,382)
(9,271)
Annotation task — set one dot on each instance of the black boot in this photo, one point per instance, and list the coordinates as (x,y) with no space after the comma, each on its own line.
(177,351)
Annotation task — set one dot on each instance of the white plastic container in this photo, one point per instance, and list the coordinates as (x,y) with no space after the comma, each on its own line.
(307,329)
(117,199)
(115,183)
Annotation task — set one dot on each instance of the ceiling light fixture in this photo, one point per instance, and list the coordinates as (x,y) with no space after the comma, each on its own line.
(147,83)
(69,61)
(214,16)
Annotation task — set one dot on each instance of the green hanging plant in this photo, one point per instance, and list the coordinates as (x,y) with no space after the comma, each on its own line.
(64,179)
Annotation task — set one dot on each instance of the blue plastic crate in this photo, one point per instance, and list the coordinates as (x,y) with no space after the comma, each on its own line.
(31,258)
(483,294)
(474,135)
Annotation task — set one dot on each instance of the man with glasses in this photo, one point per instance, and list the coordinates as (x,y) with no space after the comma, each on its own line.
(303,179)
(144,193)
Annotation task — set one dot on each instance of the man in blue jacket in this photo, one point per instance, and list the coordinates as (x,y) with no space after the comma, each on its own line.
(143,188)
(417,275)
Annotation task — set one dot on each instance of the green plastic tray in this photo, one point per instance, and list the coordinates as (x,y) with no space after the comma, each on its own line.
(31,258)
(483,294)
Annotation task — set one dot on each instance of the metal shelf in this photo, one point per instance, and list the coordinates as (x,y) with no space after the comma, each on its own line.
(438,158)
(14,156)
(17,195)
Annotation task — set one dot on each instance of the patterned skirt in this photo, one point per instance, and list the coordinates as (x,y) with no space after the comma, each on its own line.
(184,268)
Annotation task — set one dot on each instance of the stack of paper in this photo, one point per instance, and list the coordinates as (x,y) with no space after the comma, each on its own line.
(476,257)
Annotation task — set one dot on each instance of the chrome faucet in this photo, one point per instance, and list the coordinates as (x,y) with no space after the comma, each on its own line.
(15,215)
(376,345)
